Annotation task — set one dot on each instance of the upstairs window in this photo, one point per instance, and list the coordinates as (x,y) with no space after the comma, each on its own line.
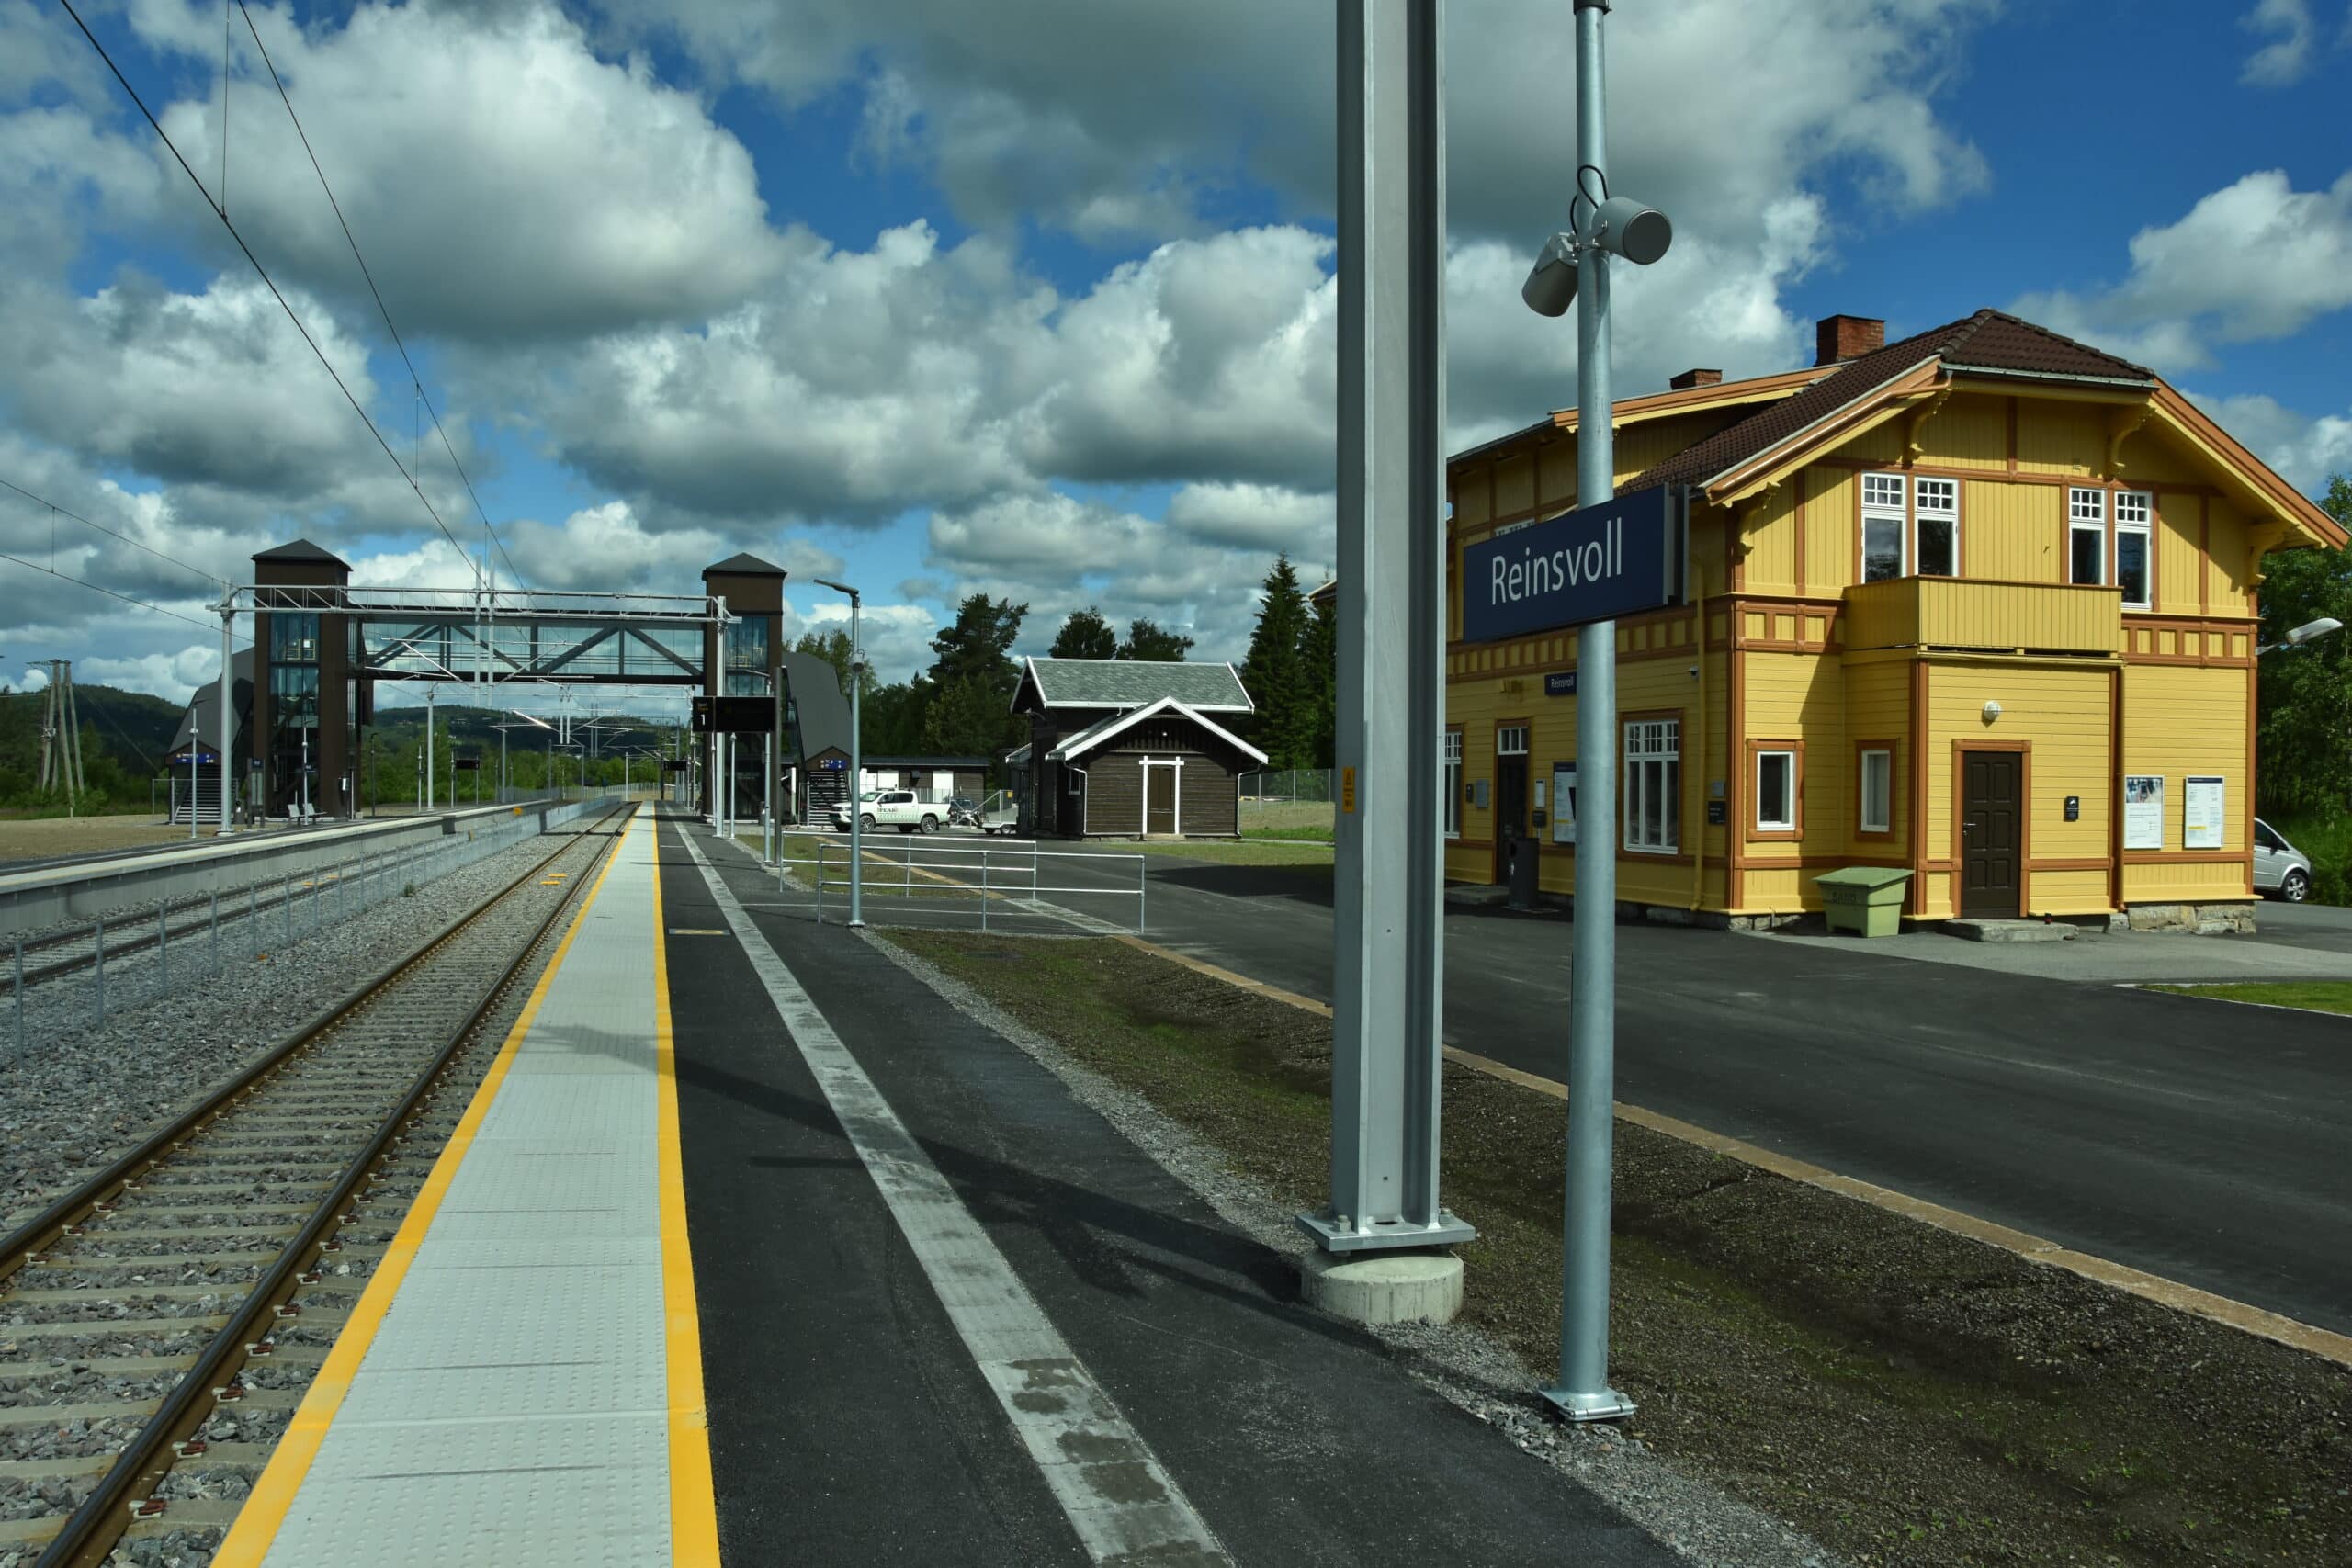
(1884,527)
(1937,502)
(2134,515)
(2086,536)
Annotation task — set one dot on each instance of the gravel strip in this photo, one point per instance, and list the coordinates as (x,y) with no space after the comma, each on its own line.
(1470,1369)
(84,1094)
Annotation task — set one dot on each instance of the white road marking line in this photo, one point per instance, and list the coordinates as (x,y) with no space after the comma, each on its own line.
(1124,1506)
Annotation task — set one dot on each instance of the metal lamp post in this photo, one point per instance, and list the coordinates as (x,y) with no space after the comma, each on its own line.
(857,763)
(1575,266)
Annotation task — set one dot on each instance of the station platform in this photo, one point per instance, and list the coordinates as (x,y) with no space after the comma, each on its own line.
(521,1383)
(755,1249)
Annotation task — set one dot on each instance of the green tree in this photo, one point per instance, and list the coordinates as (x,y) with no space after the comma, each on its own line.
(969,717)
(978,646)
(832,645)
(2304,735)
(1275,672)
(895,717)
(1086,634)
(1320,664)
(1149,642)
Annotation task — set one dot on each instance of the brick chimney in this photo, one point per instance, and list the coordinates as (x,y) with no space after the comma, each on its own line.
(1840,338)
(1690,378)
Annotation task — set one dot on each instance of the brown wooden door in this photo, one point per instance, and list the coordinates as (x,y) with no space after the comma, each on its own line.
(1510,810)
(1992,812)
(1159,800)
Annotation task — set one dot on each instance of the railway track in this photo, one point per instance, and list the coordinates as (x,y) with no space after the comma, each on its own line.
(160,1321)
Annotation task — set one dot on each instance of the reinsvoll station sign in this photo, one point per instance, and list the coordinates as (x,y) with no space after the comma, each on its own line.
(1597,563)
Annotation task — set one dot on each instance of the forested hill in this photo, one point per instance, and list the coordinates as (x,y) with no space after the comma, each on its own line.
(131,727)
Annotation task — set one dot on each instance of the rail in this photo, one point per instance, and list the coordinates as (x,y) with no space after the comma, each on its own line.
(89,1534)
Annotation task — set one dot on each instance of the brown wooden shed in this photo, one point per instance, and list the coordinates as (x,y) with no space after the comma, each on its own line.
(1130,750)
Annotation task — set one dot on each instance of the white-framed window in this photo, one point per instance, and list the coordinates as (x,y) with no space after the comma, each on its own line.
(2135,539)
(1653,803)
(1510,741)
(1884,527)
(1936,505)
(1776,791)
(1878,790)
(2085,536)
(1450,781)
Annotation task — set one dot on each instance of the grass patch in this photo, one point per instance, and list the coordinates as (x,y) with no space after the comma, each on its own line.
(1906,1395)
(1296,835)
(2313,996)
(1238,851)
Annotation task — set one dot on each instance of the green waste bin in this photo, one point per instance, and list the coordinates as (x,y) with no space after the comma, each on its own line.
(1864,899)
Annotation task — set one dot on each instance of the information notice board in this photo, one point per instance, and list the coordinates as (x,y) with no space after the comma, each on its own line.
(2143,811)
(2203,798)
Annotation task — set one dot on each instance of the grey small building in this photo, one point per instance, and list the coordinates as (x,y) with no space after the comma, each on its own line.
(1129,750)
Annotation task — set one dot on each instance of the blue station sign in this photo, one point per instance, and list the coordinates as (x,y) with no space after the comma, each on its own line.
(1560,683)
(1620,558)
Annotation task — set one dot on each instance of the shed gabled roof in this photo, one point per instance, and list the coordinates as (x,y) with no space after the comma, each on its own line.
(1123,683)
(1103,729)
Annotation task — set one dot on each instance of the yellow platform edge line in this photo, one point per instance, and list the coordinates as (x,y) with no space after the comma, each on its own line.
(694,1501)
(2310,1338)
(274,1491)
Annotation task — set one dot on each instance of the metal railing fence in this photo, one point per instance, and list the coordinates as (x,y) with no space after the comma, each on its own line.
(968,881)
(134,958)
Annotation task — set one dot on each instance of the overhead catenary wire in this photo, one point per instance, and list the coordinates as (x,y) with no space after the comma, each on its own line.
(222,213)
(415,380)
(77,517)
(111,593)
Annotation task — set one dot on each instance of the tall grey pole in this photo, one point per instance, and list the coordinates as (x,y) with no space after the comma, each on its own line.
(1583,1392)
(228,717)
(429,780)
(1386,999)
(856,777)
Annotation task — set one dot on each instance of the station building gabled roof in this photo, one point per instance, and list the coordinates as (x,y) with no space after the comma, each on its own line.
(1129,684)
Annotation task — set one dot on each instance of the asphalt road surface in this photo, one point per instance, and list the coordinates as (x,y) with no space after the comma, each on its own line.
(2192,1139)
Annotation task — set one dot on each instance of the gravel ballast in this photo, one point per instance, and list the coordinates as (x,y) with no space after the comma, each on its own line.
(84,1094)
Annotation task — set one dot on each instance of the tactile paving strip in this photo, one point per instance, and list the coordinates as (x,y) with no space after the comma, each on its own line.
(512,1407)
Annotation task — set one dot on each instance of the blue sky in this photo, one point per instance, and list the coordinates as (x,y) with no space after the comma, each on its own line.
(926,296)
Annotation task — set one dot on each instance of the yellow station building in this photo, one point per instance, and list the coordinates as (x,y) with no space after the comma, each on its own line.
(1979,605)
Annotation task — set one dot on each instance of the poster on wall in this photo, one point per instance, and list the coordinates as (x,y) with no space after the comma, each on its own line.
(2201,800)
(2143,811)
(1564,803)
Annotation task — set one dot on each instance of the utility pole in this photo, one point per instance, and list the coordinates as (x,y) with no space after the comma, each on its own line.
(61,734)
(857,763)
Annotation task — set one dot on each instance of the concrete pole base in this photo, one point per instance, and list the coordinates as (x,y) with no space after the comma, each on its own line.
(1384,1287)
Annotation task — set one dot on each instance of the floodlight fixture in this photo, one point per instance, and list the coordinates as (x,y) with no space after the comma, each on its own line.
(1551,288)
(2310,629)
(1624,227)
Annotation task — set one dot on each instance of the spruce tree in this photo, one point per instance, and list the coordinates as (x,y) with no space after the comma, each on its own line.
(1086,634)
(1275,674)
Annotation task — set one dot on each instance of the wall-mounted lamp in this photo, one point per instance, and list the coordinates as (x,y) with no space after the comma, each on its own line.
(1992,712)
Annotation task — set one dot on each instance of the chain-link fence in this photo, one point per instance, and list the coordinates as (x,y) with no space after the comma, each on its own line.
(1288,783)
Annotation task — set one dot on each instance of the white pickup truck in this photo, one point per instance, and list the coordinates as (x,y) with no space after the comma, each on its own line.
(893,808)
